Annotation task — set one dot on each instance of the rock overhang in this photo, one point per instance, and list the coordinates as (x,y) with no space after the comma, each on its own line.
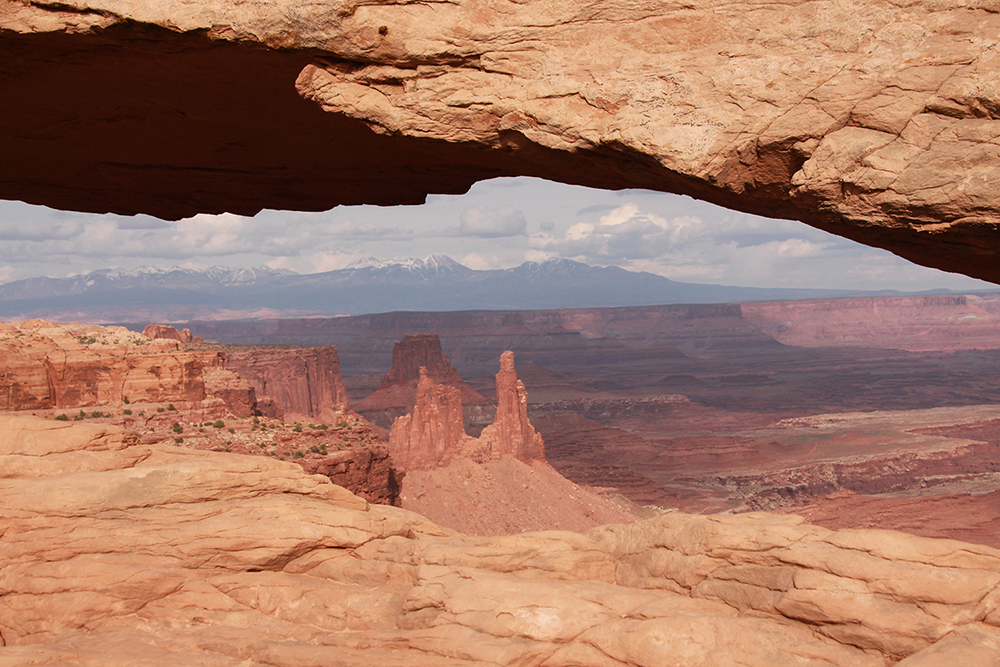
(873,120)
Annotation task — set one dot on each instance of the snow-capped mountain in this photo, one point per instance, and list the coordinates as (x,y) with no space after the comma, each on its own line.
(436,283)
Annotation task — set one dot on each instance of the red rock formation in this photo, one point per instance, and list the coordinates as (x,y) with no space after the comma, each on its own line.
(45,365)
(157,331)
(579,98)
(511,432)
(498,483)
(305,381)
(398,387)
(433,434)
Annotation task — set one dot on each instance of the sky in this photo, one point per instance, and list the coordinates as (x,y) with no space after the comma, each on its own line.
(497,224)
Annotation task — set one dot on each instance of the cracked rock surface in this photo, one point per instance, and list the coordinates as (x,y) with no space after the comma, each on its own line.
(872,119)
(173,556)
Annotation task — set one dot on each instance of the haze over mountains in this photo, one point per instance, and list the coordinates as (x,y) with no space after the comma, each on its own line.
(437,283)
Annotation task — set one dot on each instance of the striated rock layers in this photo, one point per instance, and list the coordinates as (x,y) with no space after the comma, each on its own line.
(45,365)
(305,381)
(397,391)
(433,436)
(498,483)
(872,119)
(121,554)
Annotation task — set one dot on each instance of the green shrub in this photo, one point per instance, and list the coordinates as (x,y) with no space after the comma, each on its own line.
(232,430)
(97,414)
(178,440)
(298,428)
(177,428)
(218,423)
(299,455)
(62,418)
(125,400)
(170,406)
(160,410)
(126,411)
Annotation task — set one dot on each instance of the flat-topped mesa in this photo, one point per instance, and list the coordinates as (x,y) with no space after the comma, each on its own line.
(511,432)
(411,357)
(305,381)
(433,435)
(397,391)
(157,331)
(44,365)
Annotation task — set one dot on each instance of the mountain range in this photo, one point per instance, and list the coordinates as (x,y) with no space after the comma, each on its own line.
(437,283)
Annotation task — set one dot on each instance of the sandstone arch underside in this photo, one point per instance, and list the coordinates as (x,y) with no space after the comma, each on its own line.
(875,120)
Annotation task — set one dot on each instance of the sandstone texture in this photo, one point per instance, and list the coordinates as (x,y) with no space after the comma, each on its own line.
(433,435)
(305,382)
(875,120)
(153,554)
(44,365)
(167,331)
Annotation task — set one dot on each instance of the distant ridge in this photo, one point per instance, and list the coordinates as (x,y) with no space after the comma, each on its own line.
(370,285)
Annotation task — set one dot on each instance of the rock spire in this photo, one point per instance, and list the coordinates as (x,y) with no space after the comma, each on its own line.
(432,435)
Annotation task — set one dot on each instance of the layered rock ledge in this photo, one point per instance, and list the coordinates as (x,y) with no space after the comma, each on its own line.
(871,119)
(117,553)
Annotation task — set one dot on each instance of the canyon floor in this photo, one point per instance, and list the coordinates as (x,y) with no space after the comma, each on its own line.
(866,412)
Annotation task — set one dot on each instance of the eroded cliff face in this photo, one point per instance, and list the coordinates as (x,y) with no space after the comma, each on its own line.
(45,365)
(432,434)
(305,381)
(870,119)
(117,553)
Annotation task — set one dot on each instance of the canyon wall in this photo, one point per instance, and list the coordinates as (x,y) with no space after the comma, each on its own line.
(63,366)
(304,381)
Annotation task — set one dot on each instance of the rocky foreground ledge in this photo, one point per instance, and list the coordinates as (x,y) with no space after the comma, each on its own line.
(118,553)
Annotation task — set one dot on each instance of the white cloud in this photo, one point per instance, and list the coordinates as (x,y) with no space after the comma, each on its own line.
(623,234)
(317,262)
(482,262)
(491,222)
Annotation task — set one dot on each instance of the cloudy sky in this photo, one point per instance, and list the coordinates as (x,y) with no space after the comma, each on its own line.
(498,224)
